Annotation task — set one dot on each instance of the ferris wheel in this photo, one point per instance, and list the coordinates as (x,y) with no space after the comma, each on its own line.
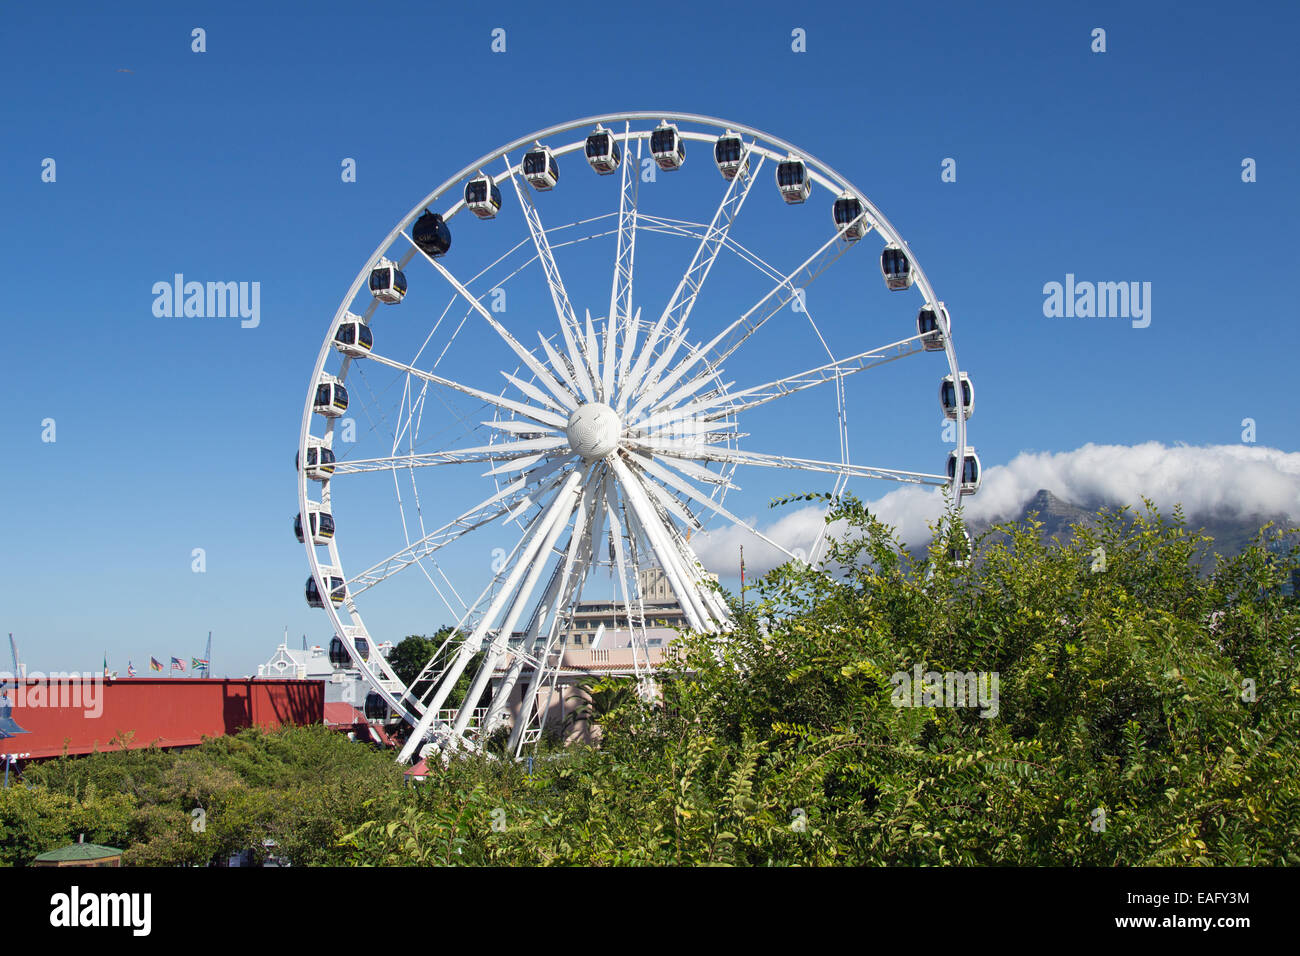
(568,393)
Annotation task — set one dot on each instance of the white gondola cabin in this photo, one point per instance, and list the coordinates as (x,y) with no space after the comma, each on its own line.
(970,472)
(331,397)
(603,152)
(482,196)
(339,656)
(792,179)
(667,146)
(333,579)
(895,268)
(360,640)
(431,235)
(320,460)
(319,521)
(847,211)
(540,168)
(948,397)
(729,154)
(353,336)
(928,327)
(387,282)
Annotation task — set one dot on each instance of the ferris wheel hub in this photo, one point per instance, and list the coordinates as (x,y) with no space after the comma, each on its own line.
(594,430)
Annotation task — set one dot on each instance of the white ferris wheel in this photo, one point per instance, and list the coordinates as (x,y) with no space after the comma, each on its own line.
(560,399)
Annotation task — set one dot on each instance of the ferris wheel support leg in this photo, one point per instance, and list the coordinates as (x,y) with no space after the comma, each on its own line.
(667,554)
(473,643)
(710,605)
(577,566)
(559,584)
(562,512)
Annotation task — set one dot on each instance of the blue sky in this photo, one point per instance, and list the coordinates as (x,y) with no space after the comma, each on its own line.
(179,433)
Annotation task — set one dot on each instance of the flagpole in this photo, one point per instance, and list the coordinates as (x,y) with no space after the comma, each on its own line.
(207,656)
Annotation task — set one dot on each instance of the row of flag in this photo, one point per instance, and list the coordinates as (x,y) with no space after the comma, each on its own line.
(198,663)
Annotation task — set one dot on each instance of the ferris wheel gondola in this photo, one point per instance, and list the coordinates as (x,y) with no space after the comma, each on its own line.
(667,146)
(602,151)
(540,168)
(948,397)
(353,336)
(387,282)
(928,327)
(729,155)
(483,196)
(792,179)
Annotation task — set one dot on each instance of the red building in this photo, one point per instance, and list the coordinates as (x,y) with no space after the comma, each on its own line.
(80,715)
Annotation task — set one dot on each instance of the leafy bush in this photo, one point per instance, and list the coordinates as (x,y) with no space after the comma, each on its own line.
(1147,713)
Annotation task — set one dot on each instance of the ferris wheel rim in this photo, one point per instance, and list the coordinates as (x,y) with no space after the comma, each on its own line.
(376,675)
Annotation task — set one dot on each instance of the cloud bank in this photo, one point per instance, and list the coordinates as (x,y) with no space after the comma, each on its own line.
(1213,480)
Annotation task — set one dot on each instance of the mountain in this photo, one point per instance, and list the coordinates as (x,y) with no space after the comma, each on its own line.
(1231,533)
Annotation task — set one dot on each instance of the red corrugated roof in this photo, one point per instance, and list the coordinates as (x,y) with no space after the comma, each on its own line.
(340,712)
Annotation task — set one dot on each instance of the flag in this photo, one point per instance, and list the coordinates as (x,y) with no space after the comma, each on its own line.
(155,664)
(199,663)
(106,674)
(130,669)
(178,664)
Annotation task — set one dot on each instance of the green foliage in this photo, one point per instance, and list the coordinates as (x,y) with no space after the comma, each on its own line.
(1123,733)
(301,788)
(410,654)
(1147,714)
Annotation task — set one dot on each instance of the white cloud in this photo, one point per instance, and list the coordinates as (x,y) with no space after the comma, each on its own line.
(1220,480)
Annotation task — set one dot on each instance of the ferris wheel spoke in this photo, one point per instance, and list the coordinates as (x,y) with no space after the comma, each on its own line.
(620,293)
(562,395)
(637,372)
(619,317)
(528,651)
(670,558)
(731,456)
(535,393)
(735,402)
(632,329)
(403,462)
(689,564)
(516,427)
(665,502)
(562,511)
(783,292)
(609,360)
(591,351)
(635,623)
(460,456)
(539,415)
(688,288)
(484,513)
(696,494)
(559,295)
(565,367)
